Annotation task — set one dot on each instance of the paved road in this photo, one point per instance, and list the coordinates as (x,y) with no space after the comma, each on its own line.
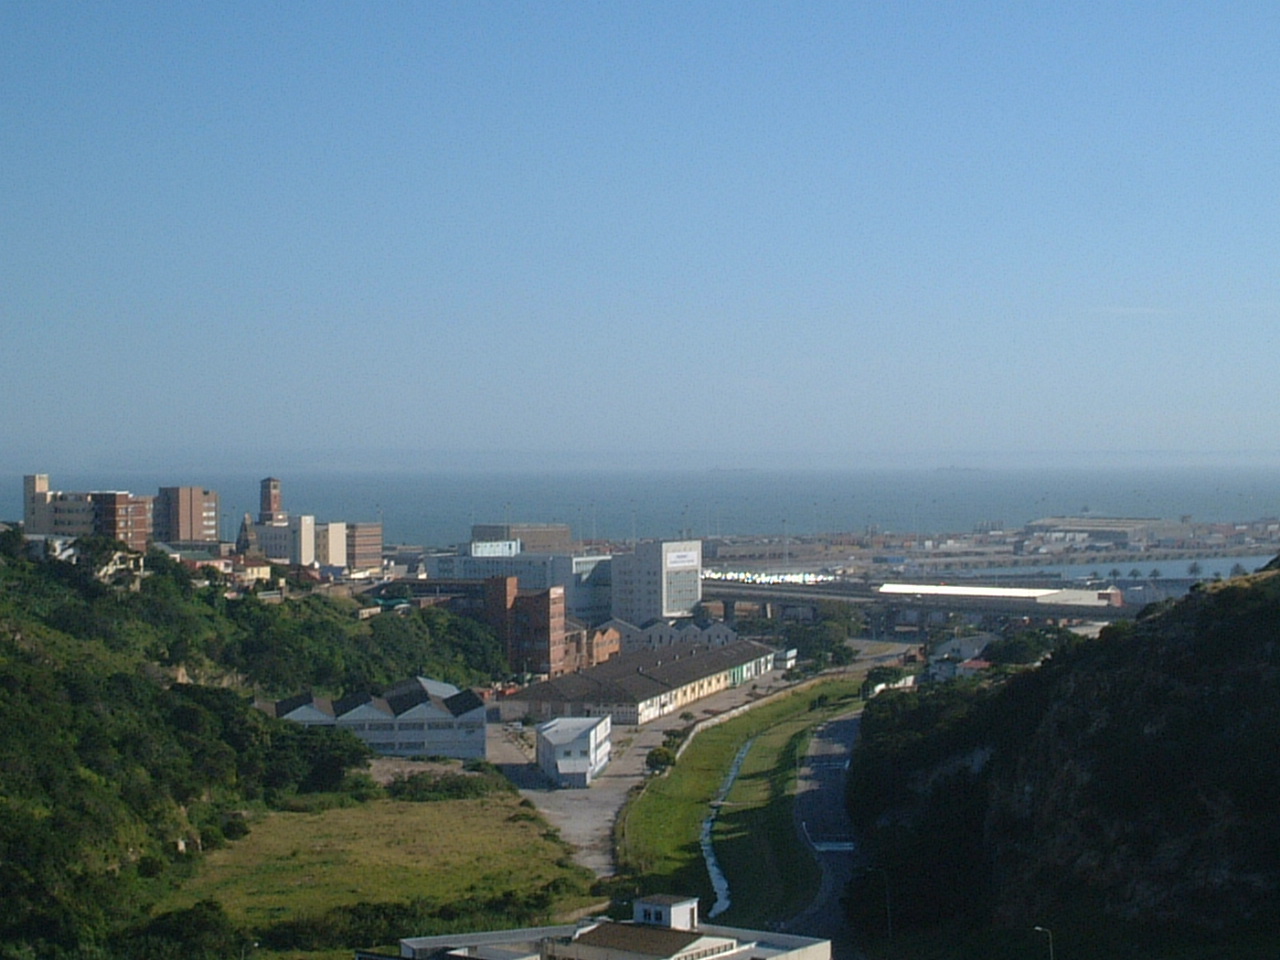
(823,821)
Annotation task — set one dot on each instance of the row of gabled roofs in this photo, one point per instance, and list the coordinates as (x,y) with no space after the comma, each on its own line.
(397,700)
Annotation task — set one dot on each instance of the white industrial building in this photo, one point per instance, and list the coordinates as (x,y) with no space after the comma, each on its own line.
(662,928)
(419,717)
(573,751)
(659,580)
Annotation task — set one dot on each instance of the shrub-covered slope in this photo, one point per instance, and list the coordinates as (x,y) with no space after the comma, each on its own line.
(113,777)
(1135,777)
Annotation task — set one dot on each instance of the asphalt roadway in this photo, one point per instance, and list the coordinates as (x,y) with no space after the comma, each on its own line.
(822,820)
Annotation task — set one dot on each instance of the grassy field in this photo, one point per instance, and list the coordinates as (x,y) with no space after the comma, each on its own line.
(295,866)
(770,873)
(755,836)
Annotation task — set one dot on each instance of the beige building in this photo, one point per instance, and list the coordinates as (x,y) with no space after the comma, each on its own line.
(331,544)
(364,547)
(117,514)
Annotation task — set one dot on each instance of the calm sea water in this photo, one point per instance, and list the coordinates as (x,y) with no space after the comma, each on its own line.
(437,509)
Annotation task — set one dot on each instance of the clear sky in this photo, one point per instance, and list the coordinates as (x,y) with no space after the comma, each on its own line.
(786,233)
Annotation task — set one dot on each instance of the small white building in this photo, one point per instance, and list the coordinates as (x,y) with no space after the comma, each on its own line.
(573,751)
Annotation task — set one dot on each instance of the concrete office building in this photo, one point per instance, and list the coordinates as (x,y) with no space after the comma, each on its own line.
(293,541)
(185,515)
(586,581)
(660,580)
(304,541)
(533,537)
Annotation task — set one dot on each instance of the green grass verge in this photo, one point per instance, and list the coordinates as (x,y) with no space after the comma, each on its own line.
(755,835)
(771,874)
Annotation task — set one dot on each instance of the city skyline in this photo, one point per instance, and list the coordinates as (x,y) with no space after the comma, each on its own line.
(491,235)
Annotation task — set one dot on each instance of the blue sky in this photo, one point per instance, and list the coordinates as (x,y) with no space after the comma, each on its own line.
(736,233)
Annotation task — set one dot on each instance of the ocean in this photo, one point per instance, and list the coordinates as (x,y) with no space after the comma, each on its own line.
(437,509)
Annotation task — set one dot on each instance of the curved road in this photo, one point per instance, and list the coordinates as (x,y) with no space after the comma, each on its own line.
(823,822)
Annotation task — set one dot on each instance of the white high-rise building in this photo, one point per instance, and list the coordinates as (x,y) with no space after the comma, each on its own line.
(659,581)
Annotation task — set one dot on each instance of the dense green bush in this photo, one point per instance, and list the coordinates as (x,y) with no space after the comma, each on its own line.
(113,777)
(426,787)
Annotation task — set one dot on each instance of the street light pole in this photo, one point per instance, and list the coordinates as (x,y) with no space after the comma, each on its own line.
(1049,933)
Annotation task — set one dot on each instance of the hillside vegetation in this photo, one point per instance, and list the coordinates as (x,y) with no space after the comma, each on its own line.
(1123,794)
(114,779)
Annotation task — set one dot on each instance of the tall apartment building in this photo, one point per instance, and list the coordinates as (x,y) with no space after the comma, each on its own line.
(185,515)
(660,580)
(116,514)
(364,547)
(531,623)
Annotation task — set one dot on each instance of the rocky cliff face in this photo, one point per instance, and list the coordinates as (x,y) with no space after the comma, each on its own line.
(1145,777)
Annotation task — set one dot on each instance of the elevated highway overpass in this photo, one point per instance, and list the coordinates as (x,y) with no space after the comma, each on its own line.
(867,595)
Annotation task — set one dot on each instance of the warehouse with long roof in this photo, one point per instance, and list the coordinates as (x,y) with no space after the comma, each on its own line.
(636,688)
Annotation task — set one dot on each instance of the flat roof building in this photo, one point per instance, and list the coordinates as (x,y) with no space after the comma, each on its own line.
(185,515)
(533,537)
(116,514)
(659,580)
(662,928)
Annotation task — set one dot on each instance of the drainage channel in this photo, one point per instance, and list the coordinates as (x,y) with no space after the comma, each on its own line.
(718,882)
